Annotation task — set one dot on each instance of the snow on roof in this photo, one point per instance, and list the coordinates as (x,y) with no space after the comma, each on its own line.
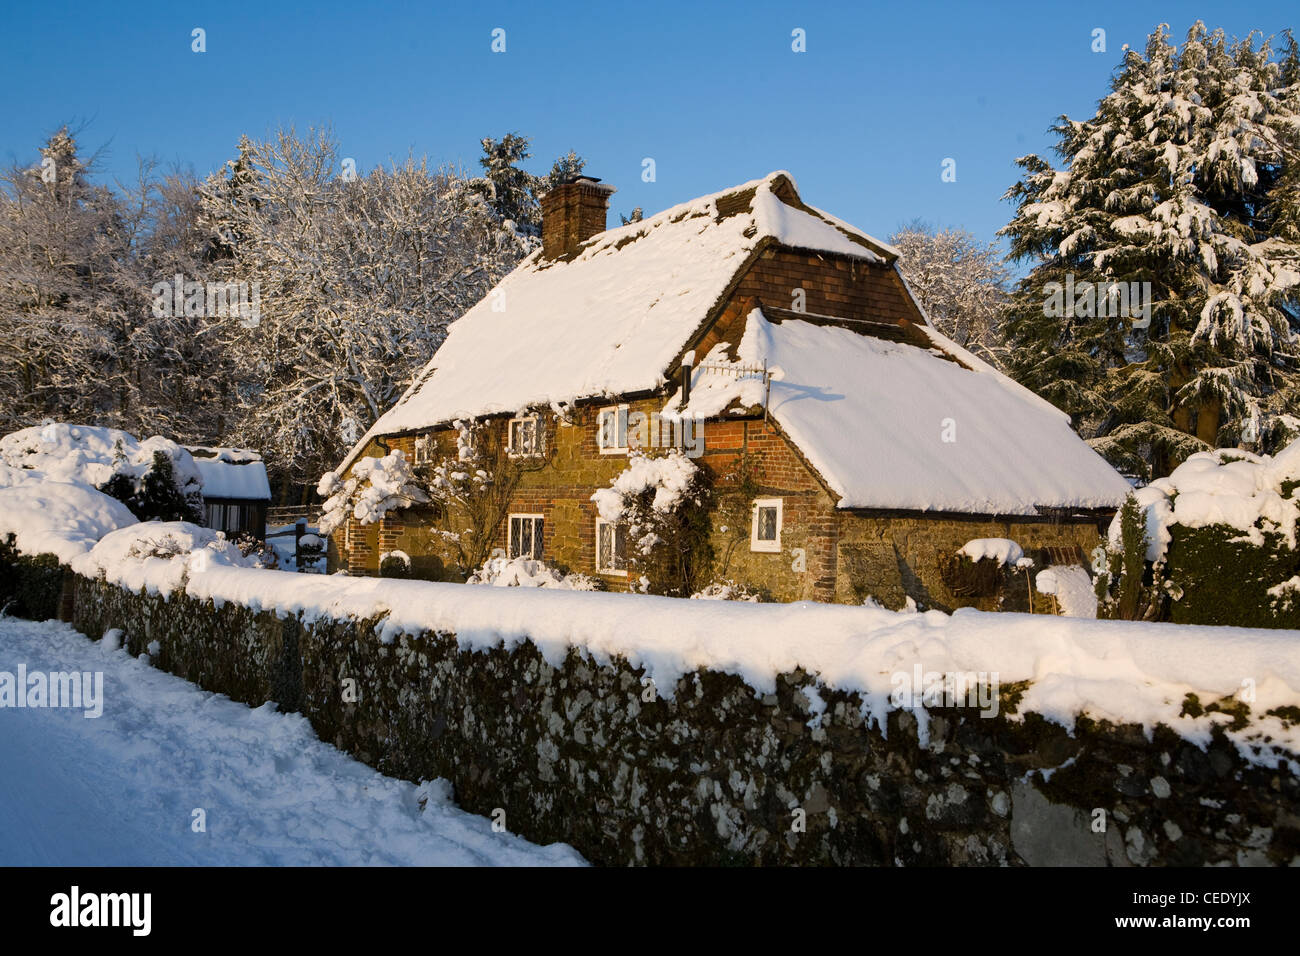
(611,320)
(892,425)
(232,473)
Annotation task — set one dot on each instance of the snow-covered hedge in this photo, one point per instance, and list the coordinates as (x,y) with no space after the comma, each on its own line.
(1222,531)
(159,556)
(61,518)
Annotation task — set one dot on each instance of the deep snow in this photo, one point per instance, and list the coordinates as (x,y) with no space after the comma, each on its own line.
(120,789)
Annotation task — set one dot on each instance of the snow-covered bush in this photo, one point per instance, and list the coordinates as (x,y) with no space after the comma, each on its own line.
(1072,588)
(61,518)
(159,556)
(502,572)
(731,591)
(375,487)
(1218,536)
(1129,585)
(155,478)
(394,564)
(664,502)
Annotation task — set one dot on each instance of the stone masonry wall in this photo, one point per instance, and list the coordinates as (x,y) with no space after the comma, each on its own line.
(588,755)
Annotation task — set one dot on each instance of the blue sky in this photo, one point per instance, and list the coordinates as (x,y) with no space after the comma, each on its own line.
(712,92)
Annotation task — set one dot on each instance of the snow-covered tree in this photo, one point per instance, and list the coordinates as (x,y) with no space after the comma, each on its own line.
(374,487)
(664,502)
(56,257)
(474,489)
(358,280)
(1184,179)
(78,337)
(961,283)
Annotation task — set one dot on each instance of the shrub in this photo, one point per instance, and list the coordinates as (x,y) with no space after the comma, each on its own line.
(1225,579)
(1129,587)
(155,495)
(395,565)
(31,586)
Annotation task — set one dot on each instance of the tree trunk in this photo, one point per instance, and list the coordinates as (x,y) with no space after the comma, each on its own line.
(1207,422)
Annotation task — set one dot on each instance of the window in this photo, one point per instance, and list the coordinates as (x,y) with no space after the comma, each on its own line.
(611,430)
(611,547)
(525,437)
(525,536)
(424,449)
(765,534)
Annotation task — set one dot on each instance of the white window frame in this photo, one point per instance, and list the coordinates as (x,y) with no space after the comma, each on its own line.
(425,446)
(536,519)
(539,437)
(766,547)
(620,414)
(600,566)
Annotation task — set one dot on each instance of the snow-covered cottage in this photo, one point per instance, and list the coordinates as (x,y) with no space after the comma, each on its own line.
(236,492)
(781,349)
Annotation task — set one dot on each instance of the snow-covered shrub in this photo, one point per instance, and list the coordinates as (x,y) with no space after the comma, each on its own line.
(664,501)
(158,555)
(155,478)
(394,564)
(1072,588)
(257,551)
(1218,537)
(375,487)
(731,591)
(1129,586)
(58,517)
(502,572)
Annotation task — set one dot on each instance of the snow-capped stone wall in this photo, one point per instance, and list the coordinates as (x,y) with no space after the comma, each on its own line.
(587,750)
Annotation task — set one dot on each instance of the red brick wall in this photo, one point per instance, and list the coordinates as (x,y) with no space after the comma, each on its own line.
(842,287)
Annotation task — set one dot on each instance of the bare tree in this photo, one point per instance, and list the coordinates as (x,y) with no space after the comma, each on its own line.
(358,277)
(961,283)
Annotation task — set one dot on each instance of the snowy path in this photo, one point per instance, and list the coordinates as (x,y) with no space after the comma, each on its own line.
(120,789)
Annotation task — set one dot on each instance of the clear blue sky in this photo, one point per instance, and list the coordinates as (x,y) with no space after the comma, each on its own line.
(712,92)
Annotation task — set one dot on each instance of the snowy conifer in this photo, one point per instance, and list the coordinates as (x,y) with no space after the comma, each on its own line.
(1184,179)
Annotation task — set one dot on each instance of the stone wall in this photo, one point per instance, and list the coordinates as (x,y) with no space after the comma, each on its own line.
(716,774)
(894,557)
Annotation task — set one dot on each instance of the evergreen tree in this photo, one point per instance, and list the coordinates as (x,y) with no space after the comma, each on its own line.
(223,197)
(509,189)
(1184,179)
(513,193)
(155,496)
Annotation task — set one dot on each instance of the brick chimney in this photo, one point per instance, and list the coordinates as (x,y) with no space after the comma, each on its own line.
(572,213)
